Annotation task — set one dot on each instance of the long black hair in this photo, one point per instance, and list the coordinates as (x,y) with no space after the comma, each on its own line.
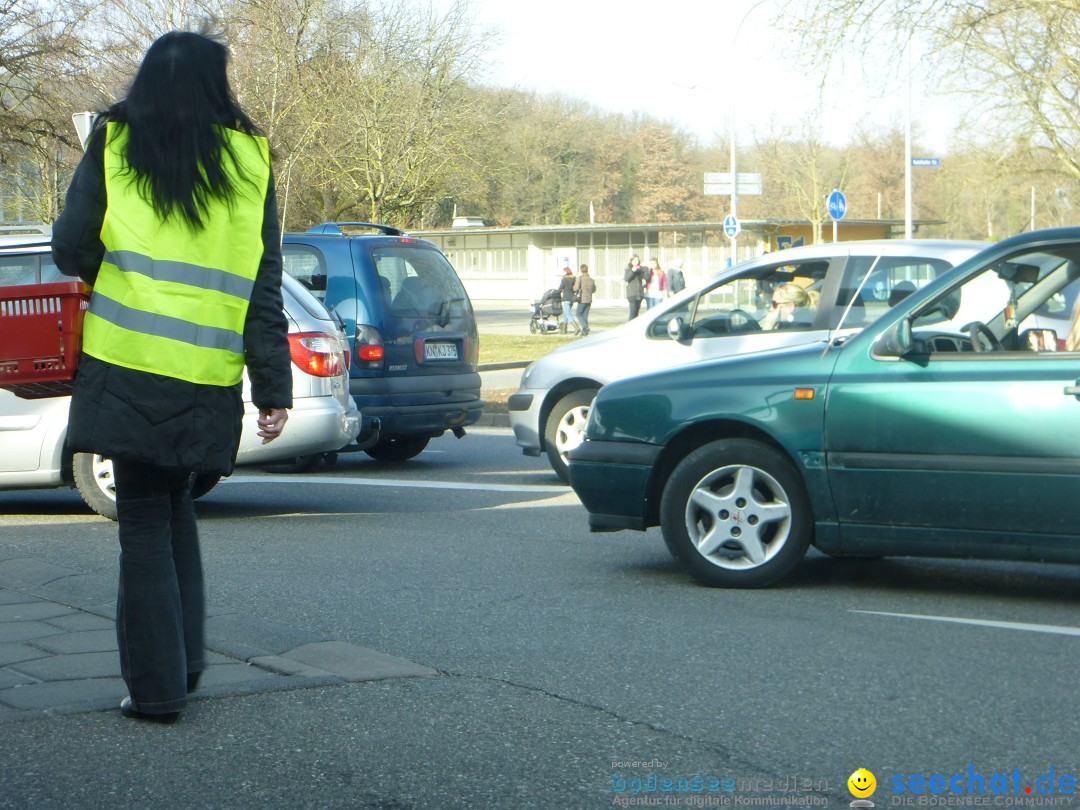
(175,110)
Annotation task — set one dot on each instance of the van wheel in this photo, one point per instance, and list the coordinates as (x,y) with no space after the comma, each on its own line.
(95,482)
(398,448)
(565,428)
(736,513)
(203,483)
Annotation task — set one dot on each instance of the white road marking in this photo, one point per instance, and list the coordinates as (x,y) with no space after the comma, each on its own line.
(395,482)
(1060,630)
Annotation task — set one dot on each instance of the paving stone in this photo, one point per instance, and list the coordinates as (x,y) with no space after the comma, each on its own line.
(245,637)
(31,611)
(86,641)
(16,652)
(86,693)
(12,597)
(287,666)
(234,673)
(33,572)
(355,663)
(62,667)
(26,631)
(80,589)
(10,678)
(81,620)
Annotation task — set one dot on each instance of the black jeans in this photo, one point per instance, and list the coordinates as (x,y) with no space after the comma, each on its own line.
(635,307)
(160,606)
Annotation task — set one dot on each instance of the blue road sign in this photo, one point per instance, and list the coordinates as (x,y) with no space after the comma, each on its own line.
(731,226)
(837,205)
(926,161)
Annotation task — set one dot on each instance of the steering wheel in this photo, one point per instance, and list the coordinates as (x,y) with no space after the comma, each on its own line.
(748,320)
(978,329)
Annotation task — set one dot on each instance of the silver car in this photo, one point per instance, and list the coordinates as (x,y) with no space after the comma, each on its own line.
(323,419)
(785,298)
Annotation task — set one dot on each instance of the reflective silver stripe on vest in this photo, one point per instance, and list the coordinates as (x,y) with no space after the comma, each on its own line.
(147,323)
(182,273)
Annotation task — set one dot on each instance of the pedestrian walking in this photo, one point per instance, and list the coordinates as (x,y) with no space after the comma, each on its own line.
(634,276)
(676,279)
(656,284)
(186,270)
(584,288)
(566,296)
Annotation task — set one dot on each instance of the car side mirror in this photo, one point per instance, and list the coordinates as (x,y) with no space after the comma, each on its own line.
(896,341)
(678,330)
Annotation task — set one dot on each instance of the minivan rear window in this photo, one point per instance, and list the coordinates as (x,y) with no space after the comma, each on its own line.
(418,282)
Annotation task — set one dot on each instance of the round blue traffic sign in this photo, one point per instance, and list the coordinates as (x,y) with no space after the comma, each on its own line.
(731,226)
(837,205)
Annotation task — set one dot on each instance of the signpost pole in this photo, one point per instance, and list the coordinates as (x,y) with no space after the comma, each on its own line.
(907,151)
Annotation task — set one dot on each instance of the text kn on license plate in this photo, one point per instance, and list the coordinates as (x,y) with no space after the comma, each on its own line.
(440,351)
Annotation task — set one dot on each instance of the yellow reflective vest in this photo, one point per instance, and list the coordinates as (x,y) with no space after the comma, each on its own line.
(170,300)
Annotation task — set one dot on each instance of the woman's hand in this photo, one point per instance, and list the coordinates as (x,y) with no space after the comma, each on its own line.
(271,423)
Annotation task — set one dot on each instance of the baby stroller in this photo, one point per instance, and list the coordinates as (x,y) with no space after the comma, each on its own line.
(546,313)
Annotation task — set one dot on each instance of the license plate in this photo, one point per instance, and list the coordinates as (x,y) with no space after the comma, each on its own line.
(440,351)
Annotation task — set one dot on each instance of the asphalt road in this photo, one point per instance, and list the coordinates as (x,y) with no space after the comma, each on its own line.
(571,664)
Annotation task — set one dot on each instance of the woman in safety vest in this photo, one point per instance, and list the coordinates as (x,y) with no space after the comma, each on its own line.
(171,215)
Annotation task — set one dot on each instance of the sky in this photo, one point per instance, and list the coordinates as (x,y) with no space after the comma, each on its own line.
(680,61)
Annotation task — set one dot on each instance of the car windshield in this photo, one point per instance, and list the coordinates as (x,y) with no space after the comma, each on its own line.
(874,284)
(777,297)
(1033,290)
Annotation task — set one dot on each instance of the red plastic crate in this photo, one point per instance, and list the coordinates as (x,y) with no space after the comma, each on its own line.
(40,334)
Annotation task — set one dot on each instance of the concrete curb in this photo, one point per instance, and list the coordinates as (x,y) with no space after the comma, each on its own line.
(489,419)
(503,366)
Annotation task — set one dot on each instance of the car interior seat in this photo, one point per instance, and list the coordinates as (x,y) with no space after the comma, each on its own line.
(901,291)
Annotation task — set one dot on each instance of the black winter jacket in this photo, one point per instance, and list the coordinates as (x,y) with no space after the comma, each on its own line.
(123,413)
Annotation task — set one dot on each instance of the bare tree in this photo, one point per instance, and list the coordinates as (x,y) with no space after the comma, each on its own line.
(1017,62)
(798,173)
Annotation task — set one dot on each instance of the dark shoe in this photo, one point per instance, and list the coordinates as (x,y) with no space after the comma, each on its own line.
(193,681)
(130,712)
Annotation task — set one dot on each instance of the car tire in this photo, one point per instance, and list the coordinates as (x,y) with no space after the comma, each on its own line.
(736,513)
(201,483)
(398,448)
(93,476)
(565,428)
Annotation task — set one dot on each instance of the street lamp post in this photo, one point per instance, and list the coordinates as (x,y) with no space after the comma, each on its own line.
(732,73)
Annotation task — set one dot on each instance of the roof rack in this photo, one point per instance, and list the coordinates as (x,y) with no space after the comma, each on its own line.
(334,228)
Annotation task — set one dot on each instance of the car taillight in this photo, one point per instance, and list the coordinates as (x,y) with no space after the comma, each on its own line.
(368,351)
(317,353)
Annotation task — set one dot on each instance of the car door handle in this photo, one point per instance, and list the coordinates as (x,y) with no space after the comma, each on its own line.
(1073,391)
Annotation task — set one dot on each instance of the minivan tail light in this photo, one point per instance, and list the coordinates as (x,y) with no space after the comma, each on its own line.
(368,354)
(317,353)
(368,350)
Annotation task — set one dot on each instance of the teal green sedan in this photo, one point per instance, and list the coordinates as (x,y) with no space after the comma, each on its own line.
(950,427)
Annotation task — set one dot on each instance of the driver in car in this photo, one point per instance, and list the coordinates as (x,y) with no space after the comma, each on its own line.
(790,308)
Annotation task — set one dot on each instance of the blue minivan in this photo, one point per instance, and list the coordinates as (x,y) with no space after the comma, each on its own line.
(409,324)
